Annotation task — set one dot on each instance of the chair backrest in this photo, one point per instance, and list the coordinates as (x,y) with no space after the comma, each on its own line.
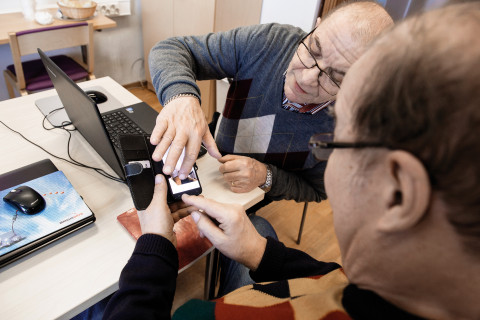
(52,38)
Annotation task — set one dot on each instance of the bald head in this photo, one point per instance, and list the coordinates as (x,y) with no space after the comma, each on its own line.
(366,19)
(420,94)
(335,43)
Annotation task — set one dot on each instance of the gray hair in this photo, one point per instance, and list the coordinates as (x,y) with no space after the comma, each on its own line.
(424,97)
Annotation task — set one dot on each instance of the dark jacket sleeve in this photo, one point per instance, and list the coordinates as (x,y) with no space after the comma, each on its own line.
(147,282)
(281,263)
(299,185)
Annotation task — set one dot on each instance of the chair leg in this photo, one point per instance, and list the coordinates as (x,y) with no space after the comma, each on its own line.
(305,207)
(8,84)
(211,274)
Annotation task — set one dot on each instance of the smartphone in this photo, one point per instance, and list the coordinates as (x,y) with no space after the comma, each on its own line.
(176,187)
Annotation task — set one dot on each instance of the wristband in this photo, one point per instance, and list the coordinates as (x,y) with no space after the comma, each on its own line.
(268,182)
(179,96)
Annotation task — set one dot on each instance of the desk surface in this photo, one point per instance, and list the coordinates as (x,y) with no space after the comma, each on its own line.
(69,275)
(12,22)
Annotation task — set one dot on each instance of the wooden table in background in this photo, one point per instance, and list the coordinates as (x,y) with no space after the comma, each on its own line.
(13,22)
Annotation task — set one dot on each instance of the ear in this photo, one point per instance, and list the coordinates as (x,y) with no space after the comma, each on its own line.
(318,22)
(407,196)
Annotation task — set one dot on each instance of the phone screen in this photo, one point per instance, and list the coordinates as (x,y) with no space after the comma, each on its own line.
(189,185)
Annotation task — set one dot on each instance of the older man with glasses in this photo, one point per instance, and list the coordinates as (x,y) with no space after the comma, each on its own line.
(282,83)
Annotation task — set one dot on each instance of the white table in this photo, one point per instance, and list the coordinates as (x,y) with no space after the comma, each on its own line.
(73,273)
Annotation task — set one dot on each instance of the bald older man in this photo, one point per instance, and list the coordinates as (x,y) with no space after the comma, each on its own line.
(403,185)
(283,81)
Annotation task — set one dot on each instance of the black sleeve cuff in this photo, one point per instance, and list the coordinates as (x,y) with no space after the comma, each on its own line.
(272,262)
(152,244)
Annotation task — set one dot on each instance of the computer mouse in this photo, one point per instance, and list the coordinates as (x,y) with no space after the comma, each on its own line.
(96,96)
(25,199)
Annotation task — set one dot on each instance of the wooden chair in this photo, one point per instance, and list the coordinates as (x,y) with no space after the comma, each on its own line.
(31,75)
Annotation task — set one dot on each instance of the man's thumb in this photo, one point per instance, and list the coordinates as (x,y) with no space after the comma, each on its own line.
(211,146)
(160,191)
(207,227)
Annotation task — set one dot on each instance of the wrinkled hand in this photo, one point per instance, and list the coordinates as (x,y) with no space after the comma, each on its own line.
(181,124)
(235,236)
(157,218)
(243,174)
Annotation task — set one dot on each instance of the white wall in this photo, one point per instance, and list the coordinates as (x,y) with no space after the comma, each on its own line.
(300,13)
(118,51)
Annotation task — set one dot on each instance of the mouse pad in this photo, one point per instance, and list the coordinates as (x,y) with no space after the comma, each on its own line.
(56,118)
(65,211)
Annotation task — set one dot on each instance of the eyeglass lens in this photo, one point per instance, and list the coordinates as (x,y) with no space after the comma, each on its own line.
(315,145)
(309,62)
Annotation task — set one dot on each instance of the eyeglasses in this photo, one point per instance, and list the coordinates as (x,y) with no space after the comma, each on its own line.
(308,60)
(322,145)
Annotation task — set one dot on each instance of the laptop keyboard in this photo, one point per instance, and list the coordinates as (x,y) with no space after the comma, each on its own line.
(118,123)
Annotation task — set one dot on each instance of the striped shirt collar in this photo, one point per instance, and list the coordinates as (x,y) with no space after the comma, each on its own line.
(305,108)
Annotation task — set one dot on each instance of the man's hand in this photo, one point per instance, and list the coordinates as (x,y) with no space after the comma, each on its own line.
(157,218)
(235,236)
(181,124)
(180,210)
(243,174)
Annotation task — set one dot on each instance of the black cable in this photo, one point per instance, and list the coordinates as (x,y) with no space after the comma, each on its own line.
(73,161)
(64,123)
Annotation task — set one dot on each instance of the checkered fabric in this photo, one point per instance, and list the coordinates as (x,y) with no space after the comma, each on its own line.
(267,130)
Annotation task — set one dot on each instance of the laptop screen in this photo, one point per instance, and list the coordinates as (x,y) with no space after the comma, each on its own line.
(83,113)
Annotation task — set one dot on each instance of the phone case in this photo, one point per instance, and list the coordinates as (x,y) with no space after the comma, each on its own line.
(140,169)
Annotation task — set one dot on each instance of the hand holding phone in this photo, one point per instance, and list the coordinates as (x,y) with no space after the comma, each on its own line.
(141,169)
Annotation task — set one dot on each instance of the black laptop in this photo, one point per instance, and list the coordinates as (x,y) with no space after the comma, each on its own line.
(101,130)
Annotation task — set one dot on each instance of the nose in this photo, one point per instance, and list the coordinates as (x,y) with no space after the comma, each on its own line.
(311,76)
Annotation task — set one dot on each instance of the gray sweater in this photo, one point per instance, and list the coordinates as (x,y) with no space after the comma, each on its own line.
(253,123)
